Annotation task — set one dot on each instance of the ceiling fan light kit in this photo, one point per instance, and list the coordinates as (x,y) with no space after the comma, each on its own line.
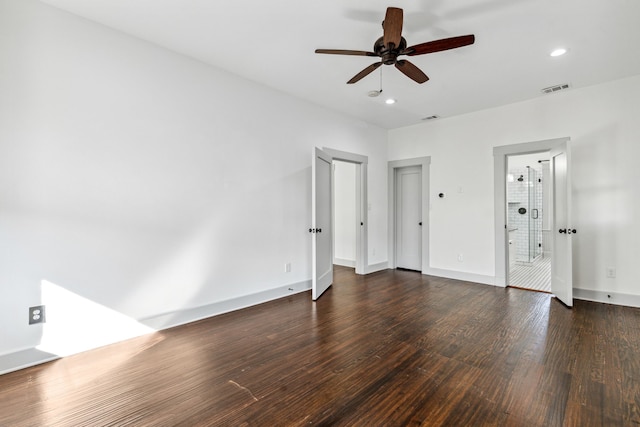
(392,44)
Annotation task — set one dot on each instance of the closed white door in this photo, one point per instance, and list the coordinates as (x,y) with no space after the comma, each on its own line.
(321,227)
(409,218)
(562,231)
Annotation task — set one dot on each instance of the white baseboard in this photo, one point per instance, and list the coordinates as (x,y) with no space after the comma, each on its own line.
(460,275)
(607,297)
(377,267)
(24,359)
(181,317)
(32,356)
(344,262)
(615,298)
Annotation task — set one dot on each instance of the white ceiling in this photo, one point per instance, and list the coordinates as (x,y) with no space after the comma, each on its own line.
(273,42)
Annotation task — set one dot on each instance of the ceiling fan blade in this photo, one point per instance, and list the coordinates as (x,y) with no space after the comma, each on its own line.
(439,45)
(364,72)
(411,71)
(345,52)
(392,26)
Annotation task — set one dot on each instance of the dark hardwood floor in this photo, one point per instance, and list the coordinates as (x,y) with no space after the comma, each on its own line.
(393,348)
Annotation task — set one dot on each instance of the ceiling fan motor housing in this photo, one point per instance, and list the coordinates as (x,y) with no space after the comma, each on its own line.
(389,54)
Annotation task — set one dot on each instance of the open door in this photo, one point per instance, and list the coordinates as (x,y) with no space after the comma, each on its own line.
(561,263)
(321,227)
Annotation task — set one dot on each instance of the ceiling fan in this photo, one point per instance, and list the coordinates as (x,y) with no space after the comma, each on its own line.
(392,44)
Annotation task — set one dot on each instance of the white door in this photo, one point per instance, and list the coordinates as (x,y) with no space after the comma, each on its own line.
(409,218)
(321,232)
(562,231)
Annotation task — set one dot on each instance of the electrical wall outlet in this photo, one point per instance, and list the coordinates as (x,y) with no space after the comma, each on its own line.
(36,314)
(460,258)
(611,272)
(287,267)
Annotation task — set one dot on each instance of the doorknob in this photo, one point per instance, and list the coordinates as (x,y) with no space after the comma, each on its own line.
(420,223)
(571,231)
(562,230)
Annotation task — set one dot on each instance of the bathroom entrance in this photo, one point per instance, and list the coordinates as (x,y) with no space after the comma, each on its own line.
(528,221)
(557,214)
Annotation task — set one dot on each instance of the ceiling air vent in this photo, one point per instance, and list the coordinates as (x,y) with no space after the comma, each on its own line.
(556,88)
(430,118)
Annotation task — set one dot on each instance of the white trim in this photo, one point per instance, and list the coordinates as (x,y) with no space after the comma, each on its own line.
(424,162)
(460,275)
(344,262)
(24,359)
(181,317)
(345,156)
(615,298)
(377,267)
(32,356)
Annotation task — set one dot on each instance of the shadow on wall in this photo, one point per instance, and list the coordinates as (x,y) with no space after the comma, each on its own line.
(227,259)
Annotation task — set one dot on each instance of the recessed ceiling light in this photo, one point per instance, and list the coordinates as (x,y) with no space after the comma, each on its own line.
(390,101)
(559,52)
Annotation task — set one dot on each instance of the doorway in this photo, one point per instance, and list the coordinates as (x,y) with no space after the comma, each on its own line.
(408,208)
(355,196)
(560,213)
(345,205)
(409,213)
(528,222)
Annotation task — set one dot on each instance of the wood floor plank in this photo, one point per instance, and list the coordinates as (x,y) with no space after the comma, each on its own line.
(390,348)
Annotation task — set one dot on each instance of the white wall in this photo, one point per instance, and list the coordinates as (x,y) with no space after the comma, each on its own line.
(148,182)
(603,124)
(345,213)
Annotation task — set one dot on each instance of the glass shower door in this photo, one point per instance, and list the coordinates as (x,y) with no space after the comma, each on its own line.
(535,215)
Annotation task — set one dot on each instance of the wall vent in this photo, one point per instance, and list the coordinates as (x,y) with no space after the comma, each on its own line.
(430,117)
(556,88)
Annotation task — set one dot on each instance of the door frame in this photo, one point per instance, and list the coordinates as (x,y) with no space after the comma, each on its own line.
(500,171)
(424,163)
(362,233)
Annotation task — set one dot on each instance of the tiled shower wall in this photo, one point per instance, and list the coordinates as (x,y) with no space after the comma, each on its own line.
(527,244)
